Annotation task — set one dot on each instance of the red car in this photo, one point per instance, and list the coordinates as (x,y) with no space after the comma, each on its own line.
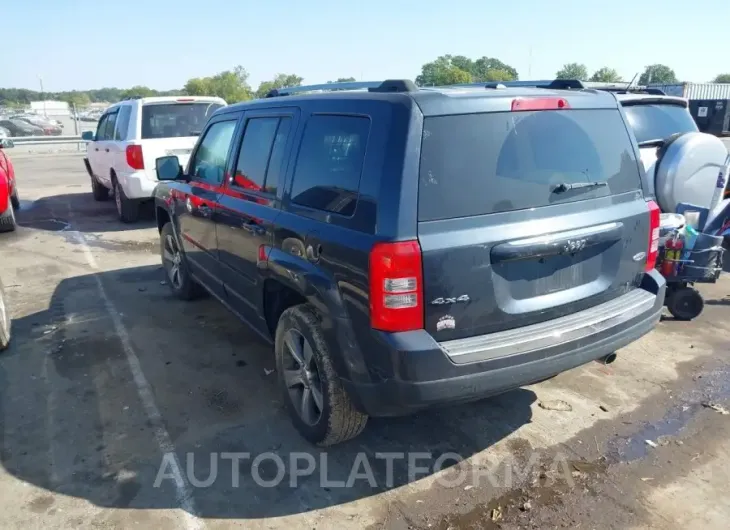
(9,201)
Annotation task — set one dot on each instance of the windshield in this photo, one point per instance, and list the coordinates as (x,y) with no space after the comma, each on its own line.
(658,122)
(486,163)
(173,120)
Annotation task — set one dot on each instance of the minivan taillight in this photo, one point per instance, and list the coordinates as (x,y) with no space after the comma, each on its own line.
(135,160)
(396,286)
(653,252)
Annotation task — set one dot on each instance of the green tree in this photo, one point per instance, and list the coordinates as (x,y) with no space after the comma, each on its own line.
(138,91)
(491,69)
(442,72)
(79,99)
(606,75)
(658,73)
(231,85)
(279,81)
(573,71)
(722,78)
(344,80)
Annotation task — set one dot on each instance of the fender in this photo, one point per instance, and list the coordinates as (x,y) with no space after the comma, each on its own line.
(4,192)
(323,293)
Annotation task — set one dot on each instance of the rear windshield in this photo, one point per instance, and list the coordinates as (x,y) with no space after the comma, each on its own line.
(486,163)
(658,122)
(172,120)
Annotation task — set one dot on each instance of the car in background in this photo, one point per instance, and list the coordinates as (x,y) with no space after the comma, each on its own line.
(403,247)
(21,128)
(9,201)
(50,127)
(131,135)
(4,319)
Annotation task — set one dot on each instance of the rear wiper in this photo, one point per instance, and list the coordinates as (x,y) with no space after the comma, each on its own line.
(560,188)
(656,142)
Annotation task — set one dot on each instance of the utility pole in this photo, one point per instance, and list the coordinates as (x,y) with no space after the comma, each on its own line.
(43,97)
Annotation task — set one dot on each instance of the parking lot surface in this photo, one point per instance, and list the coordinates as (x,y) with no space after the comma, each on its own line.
(111,385)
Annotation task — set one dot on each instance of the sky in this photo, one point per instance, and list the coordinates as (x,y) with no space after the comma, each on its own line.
(82,44)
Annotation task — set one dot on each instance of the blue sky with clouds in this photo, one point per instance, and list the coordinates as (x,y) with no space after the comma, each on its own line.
(82,44)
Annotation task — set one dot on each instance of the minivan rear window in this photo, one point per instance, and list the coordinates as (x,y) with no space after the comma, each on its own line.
(475,164)
(658,122)
(174,120)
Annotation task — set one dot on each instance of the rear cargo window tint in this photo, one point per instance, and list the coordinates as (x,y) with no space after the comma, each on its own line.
(486,163)
(327,174)
(658,122)
(175,120)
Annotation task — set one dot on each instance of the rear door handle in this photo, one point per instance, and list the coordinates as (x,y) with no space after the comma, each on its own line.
(107,150)
(96,148)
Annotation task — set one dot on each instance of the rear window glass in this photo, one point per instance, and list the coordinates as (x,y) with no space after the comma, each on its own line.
(479,164)
(658,122)
(173,120)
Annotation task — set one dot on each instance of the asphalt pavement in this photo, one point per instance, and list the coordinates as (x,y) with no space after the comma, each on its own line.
(123,407)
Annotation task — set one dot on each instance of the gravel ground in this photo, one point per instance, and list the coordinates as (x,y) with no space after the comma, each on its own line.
(111,385)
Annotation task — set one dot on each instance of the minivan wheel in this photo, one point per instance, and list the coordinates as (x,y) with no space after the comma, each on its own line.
(98,190)
(7,220)
(319,406)
(176,266)
(128,209)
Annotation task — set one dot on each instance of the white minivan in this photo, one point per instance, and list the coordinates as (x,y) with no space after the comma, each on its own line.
(131,135)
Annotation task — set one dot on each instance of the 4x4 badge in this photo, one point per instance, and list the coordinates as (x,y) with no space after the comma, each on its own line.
(441,301)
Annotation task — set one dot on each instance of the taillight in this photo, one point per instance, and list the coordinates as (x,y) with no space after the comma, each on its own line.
(521,104)
(396,286)
(653,253)
(135,160)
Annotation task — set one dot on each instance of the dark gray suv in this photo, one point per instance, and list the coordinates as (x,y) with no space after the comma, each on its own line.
(404,246)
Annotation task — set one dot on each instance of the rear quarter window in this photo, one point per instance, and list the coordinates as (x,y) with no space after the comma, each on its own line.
(175,120)
(658,122)
(487,163)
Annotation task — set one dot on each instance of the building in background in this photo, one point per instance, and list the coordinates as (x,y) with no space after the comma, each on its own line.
(709,104)
(50,108)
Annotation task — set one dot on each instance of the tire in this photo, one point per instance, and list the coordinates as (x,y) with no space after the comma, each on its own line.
(4,321)
(98,190)
(685,303)
(127,209)
(15,200)
(331,418)
(182,283)
(7,220)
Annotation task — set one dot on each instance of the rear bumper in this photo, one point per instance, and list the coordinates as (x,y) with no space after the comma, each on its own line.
(413,385)
(137,184)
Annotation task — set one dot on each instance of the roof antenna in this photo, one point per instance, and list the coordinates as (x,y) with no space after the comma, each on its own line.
(628,87)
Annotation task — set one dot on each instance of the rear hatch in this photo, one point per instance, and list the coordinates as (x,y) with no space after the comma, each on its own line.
(506,240)
(172,128)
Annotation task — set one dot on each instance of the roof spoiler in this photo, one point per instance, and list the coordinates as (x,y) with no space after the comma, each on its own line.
(569,84)
(389,85)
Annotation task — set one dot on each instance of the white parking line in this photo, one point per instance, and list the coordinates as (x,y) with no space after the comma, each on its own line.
(184,495)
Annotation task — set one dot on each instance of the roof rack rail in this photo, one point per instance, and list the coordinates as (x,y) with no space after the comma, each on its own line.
(569,84)
(389,85)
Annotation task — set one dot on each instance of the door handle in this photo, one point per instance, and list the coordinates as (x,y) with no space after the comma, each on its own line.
(96,148)
(107,150)
(314,252)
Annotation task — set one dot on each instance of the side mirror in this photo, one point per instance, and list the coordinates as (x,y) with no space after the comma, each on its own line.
(168,168)
(6,143)
(87,136)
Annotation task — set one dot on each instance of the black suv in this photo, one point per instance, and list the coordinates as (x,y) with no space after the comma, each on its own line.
(403,247)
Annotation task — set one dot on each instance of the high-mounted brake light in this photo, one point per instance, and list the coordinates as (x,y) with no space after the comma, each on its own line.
(184,100)
(653,252)
(135,160)
(396,286)
(522,104)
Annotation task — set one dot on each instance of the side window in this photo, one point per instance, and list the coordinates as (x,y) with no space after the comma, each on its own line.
(111,122)
(120,131)
(100,127)
(262,152)
(254,154)
(331,155)
(209,163)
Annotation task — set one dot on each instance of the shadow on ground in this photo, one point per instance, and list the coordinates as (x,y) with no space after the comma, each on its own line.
(53,213)
(73,420)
